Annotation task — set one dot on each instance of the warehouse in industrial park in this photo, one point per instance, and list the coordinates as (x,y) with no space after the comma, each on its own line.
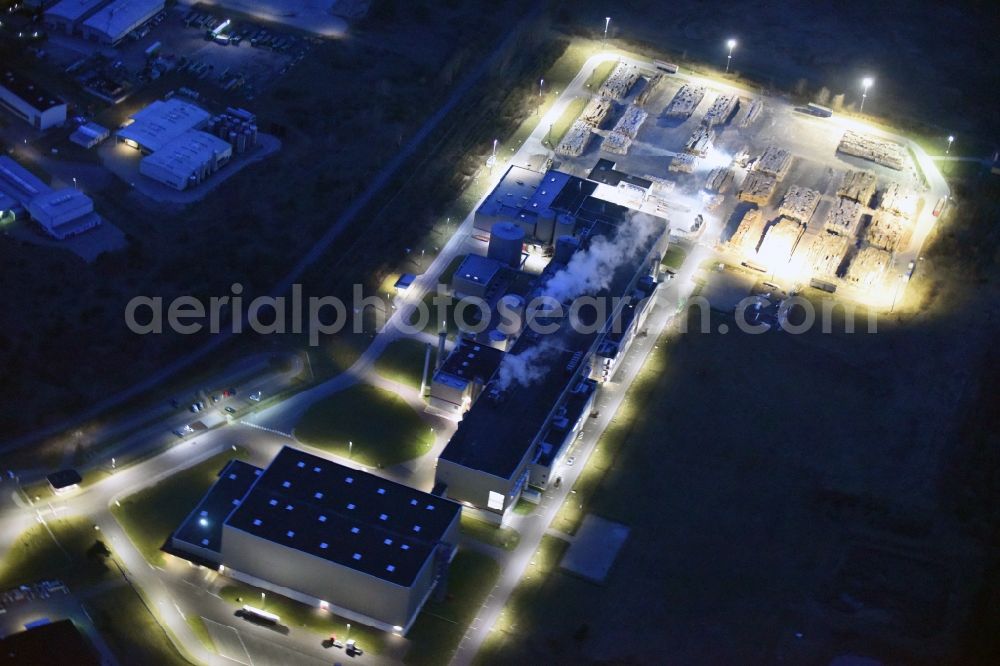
(186,160)
(60,212)
(156,125)
(517,432)
(67,16)
(112,23)
(30,102)
(308,528)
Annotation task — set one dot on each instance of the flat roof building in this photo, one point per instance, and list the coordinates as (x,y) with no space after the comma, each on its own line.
(475,275)
(67,15)
(186,160)
(458,382)
(89,135)
(321,532)
(63,213)
(526,198)
(18,183)
(60,212)
(114,22)
(161,122)
(30,102)
(498,449)
(45,643)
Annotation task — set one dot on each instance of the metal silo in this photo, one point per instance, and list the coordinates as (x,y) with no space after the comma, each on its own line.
(506,243)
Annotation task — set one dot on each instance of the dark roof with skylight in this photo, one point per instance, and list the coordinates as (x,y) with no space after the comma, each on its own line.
(347,516)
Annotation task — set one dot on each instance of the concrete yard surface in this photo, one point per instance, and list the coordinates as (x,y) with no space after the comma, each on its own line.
(593,551)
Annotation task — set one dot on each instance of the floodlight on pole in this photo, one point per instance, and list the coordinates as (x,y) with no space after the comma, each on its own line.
(866,83)
(731,44)
(950,140)
(607,22)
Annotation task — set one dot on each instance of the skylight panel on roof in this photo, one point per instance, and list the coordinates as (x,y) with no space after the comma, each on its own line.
(390,568)
(316,469)
(383,516)
(350,506)
(405,546)
(355,530)
(322,519)
(357,556)
(286,484)
(416,528)
(349,479)
(273,502)
(301,464)
(256,522)
(324,545)
(388,542)
(232,477)
(290,534)
(318,495)
(381,491)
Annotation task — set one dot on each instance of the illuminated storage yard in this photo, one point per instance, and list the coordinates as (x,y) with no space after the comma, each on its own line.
(325,534)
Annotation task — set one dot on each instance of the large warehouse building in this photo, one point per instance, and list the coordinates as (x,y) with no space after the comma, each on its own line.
(114,22)
(520,429)
(187,159)
(67,16)
(30,102)
(156,125)
(308,528)
(64,213)
(60,212)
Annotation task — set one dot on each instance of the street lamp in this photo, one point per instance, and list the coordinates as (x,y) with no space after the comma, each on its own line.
(607,22)
(350,450)
(493,158)
(74,183)
(948,149)
(866,83)
(729,59)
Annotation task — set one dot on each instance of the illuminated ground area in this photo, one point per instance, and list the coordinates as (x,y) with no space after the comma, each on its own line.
(763,154)
(384,429)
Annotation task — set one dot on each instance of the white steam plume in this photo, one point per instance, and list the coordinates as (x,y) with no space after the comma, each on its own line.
(592,269)
(525,368)
(587,272)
